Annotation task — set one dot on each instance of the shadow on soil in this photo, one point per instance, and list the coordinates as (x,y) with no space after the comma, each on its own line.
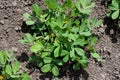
(112,29)
(68,73)
(23,57)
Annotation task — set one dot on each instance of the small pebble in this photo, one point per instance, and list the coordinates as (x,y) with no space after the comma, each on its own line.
(14,3)
(17,28)
(14,49)
(2,22)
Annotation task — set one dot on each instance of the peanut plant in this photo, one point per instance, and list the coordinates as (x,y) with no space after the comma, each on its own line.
(62,33)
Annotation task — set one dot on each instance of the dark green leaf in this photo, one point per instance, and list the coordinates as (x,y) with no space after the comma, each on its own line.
(76,66)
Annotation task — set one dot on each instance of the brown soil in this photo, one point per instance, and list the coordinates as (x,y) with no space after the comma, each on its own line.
(108,46)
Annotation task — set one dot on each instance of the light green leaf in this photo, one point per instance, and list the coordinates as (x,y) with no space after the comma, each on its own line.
(29,22)
(25,76)
(27,16)
(66,58)
(80,51)
(28,38)
(47,60)
(37,9)
(15,67)
(44,54)
(115,3)
(64,52)
(52,4)
(2,58)
(36,47)
(56,52)
(46,68)
(115,14)
(95,55)
(112,7)
(73,36)
(8,69)
(72,53)
(87,33)
(98,23)
(60,20)
(55,71)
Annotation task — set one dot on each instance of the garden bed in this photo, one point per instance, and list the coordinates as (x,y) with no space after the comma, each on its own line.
(12,28)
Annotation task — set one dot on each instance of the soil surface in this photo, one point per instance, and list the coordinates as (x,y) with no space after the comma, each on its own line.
(108,46)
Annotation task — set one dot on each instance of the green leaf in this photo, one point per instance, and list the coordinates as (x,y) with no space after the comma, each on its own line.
(72,53)
(52,4)
(57,52)
(76,66)
(27,16)
(30,22)
(2,58)
(80,51)
(60,20)
(66,58)
(115,3)
(84,62)
(98,23)
(112,7)
(64,52)
(47,60)
(25,76)
(15,67)
(36,47)
(87,33)
(8,69)
(80,42)
(58,62)
(37,9)
(28,38)
(55,70)
(115,14)
(95,55)
(46,68)
(73,36)
(92,41)
(44,54)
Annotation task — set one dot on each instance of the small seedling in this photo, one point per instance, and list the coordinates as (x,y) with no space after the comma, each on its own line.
(115,9)
(10,67)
